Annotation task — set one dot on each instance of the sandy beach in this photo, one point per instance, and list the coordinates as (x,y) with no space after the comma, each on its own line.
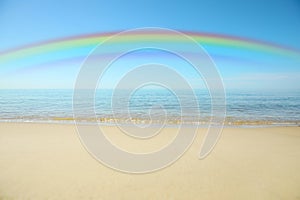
(47,161)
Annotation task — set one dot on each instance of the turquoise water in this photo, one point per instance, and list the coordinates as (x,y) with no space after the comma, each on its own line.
(152,106)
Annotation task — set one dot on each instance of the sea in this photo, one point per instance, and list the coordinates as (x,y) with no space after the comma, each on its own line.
(151,106)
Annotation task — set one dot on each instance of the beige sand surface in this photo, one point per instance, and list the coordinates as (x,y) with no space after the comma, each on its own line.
(47,161)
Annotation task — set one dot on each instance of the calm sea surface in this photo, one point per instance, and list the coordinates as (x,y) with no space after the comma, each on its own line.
(151,106)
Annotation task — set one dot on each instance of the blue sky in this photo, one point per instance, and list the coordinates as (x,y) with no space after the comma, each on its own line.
(276,21)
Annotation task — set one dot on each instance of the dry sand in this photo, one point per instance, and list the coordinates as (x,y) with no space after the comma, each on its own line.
(47,161)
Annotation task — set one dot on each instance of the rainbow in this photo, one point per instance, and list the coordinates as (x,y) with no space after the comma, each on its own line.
(76,46)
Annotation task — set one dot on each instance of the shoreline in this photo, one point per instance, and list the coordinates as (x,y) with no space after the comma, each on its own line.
(260,124)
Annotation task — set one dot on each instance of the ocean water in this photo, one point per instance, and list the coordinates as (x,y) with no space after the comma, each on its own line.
(151,106)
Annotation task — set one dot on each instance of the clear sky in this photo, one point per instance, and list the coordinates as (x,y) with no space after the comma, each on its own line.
(275,21)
